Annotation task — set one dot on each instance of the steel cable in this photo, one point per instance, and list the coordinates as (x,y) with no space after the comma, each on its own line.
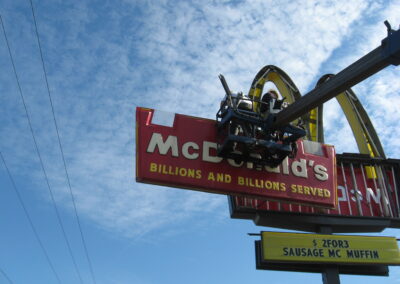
(60,145)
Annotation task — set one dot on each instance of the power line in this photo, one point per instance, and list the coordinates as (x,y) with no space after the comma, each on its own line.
(60,145)
(39,155)
(28,217)
(6,276)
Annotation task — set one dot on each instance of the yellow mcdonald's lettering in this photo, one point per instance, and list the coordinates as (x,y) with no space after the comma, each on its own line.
(153,167)
(174,170)
(183,172)
(198,174)
(309,190)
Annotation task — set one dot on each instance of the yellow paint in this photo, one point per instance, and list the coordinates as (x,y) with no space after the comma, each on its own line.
(275,77)
(261,183)
(313,125)
(174,171)
(219,177)
(309,190)
(360,133)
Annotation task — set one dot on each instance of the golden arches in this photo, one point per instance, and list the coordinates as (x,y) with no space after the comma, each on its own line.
(282,81)
(364,133)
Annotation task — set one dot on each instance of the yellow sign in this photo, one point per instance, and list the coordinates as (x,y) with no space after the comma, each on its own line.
(293,247)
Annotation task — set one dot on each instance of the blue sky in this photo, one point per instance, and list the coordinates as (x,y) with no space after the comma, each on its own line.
(104,58)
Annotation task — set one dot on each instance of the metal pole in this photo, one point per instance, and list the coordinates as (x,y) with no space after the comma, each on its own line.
(330,274)
(395,191)
(347,189)
(353,176)
(345,79)
(379,58)
(366,188)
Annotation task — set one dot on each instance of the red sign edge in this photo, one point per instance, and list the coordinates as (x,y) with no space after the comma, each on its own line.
(203,189)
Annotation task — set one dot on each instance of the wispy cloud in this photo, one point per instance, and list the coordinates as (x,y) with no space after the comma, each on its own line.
(167,56)
(378,94)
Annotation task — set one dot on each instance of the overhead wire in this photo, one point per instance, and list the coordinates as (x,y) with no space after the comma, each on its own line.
(61,147)
(14,186)
(6,276)
(40,156)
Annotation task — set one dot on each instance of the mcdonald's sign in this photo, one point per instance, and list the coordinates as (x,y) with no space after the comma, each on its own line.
(180,151)
(367,181)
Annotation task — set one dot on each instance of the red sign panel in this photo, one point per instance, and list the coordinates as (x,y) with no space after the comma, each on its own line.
(180,151)
(359,194)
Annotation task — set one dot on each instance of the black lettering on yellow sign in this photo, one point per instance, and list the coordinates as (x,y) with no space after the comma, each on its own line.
(303,252)
(362,254)
(331,253)
(327,243)
(334,253)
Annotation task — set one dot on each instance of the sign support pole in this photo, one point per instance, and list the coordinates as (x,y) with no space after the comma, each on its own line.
(330,274)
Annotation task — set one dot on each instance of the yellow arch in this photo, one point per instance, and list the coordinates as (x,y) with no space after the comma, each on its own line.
(364,133)
(282,81)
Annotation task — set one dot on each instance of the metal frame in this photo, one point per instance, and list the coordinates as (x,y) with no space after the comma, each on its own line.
(388,53)
(310,107)
(258,141)
(339,223)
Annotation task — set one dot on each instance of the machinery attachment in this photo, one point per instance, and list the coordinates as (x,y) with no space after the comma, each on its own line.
(245,132)
(257,130)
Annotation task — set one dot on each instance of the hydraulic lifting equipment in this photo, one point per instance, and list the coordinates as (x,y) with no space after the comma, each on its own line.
(262,130)
(245,132)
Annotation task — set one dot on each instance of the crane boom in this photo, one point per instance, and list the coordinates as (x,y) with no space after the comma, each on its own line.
(262,130)
(388,53)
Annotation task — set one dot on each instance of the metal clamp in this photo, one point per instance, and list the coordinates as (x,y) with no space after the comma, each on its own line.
(391,45)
